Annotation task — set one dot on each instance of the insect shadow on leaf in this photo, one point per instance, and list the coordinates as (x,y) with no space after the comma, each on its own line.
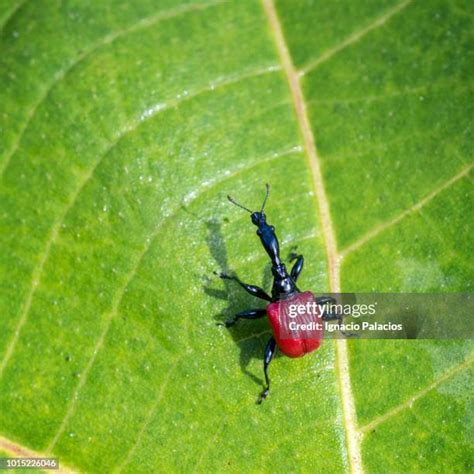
(250,338)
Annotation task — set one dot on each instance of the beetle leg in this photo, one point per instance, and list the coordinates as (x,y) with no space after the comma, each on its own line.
(252,289)
(338,318)
(297,267)
(331,317)
(268,356)
(248,314)
(322,300)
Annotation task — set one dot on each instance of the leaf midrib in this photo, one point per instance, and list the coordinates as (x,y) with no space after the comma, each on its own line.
(293,78)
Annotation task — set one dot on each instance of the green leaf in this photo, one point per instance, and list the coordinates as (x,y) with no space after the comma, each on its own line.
(123,127)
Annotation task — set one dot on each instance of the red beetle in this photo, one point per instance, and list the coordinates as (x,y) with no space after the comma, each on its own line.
(295,316)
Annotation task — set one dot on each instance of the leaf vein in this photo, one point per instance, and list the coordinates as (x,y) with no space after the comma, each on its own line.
(150,415)
(354,38)
(408,403)
(59,76)
(371,234)
(21,451)
(8,17)
(427,89)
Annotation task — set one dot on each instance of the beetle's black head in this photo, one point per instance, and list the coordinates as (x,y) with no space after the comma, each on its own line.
(258,217)
(266,232)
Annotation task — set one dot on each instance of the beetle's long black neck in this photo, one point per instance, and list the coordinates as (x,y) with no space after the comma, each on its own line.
(283,285)
(269,241)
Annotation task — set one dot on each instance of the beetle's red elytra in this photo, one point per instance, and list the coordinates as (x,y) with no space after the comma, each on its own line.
(296,335)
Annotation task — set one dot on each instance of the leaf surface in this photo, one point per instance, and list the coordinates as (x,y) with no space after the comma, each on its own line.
(124,126)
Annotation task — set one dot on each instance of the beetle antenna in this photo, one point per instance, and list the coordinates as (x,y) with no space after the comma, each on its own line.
(266,196)
(238,205)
